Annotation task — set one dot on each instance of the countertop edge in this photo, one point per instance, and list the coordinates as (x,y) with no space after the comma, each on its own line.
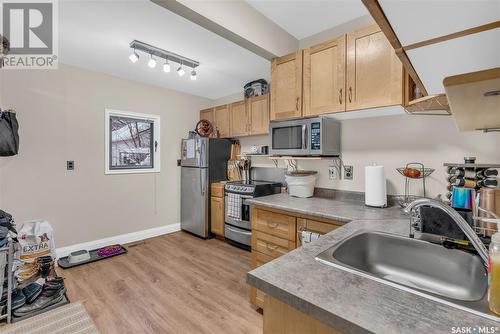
(308,308)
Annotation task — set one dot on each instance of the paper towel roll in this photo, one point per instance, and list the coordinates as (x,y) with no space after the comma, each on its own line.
(375,186)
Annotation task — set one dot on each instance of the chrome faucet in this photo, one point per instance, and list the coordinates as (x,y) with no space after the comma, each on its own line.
(457,218)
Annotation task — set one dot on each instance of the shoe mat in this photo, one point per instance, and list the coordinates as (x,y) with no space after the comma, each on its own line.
(63,262)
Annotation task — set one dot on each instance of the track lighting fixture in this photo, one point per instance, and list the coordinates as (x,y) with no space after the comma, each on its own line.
(152,62)
(155,52)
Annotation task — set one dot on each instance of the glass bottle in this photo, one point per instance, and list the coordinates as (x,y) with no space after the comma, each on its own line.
(494,274)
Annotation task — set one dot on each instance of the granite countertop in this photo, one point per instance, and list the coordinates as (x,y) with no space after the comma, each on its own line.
(343,300)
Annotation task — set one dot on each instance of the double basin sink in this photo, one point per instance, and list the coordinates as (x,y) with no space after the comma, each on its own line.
(451,276)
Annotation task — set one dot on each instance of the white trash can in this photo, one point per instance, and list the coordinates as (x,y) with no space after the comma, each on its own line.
(301,183)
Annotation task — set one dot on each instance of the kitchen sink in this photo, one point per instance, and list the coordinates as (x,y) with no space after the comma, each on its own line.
(414,265)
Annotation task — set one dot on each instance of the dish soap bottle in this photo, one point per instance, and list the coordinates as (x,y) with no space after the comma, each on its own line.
(494,274)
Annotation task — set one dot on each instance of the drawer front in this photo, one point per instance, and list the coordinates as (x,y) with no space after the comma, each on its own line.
(259,259)
(273,223)
(271,245)
(217,190)
(237,234)
(314,226)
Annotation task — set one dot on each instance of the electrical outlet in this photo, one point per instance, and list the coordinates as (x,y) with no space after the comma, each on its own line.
(332,172)
(70,165)
(348,172)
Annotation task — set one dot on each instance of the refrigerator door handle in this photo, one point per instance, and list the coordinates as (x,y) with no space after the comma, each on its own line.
(202,188)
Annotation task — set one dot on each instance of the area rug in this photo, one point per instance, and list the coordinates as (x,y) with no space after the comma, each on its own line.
(67,319)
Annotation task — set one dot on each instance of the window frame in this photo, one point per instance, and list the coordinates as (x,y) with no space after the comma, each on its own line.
(155,119)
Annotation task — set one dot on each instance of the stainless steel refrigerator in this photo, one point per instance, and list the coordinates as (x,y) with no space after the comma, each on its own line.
(203,161)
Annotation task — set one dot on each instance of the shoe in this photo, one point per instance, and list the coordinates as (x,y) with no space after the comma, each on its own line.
(53,285)
(28,271)
(45,263)
(32,291)
(40,303)
(18,299)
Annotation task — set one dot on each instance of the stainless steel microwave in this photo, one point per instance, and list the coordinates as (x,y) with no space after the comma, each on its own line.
(319,136)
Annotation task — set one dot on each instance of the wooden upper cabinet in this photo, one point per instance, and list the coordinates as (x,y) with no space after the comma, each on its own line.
(258,114)
(239,119)
(208,114)
(221,118)
(324,79)
(286,86)
(374,72)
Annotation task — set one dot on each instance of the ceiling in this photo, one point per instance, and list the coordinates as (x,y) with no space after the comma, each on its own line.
(96,34)
(303,18)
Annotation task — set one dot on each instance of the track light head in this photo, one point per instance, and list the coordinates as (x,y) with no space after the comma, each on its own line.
(152,62)
(133,57)
(180,71)
(166,67)
(193,75)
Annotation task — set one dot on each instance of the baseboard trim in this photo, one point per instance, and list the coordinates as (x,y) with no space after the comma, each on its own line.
(119,239)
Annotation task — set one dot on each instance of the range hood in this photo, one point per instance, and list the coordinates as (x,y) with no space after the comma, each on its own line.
(474,100)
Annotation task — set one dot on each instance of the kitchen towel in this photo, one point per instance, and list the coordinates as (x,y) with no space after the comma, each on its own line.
(234,206)
(308,236)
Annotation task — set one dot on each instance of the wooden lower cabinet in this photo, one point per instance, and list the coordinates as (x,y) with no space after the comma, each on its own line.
(217,215)
(257,296)
(217,209)
(280,318)
(275,233)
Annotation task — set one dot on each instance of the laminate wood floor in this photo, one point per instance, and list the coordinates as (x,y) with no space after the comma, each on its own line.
(176,283)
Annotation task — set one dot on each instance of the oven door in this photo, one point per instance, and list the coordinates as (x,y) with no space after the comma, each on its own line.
(289,137)
(246,219)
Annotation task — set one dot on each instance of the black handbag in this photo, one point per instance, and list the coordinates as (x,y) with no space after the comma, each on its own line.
(9,136)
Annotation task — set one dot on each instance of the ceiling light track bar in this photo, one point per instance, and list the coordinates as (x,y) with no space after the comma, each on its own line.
(153,50)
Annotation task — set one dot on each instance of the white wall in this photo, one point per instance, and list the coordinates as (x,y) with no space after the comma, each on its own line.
(353,25)
(61,116)
(393,141)
(228,99)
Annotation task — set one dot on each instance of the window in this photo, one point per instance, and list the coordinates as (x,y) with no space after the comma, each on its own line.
(132,142)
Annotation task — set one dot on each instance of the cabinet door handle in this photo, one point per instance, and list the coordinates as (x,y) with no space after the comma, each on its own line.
(271,247)
(297,104)
(350,94)
(272,225)
(340,96)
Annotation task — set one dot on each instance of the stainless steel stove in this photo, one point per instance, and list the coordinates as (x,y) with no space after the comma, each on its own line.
(237,218)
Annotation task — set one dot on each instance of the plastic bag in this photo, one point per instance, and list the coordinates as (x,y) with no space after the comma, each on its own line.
(36,238)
